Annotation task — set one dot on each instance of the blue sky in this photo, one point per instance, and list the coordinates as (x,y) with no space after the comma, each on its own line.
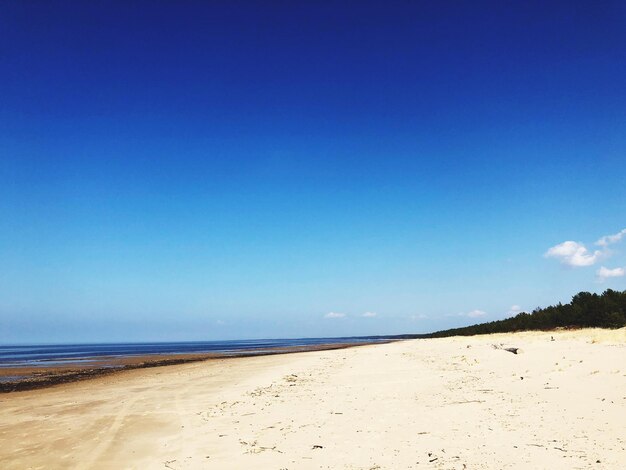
(214,170)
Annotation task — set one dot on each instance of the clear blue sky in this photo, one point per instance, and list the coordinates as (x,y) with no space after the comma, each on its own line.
(212,170)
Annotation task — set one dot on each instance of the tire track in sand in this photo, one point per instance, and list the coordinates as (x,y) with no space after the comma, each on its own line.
(107,439)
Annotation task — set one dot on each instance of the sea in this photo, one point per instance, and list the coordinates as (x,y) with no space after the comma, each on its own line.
(55,355)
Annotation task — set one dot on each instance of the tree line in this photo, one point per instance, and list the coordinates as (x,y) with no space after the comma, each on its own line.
(607,310)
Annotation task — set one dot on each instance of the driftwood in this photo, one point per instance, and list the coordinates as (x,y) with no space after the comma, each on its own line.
(511,350)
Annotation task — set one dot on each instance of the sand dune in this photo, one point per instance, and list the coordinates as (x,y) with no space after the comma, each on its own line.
(449,403)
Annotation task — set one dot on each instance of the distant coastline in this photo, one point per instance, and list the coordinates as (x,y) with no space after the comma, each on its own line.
(57,366)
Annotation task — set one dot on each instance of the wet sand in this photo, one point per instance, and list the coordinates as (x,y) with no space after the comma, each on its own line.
(452,403)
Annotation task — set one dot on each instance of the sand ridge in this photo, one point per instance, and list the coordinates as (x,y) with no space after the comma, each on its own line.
(440,403)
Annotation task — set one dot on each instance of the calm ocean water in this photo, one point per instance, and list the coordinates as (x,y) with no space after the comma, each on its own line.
(54,355)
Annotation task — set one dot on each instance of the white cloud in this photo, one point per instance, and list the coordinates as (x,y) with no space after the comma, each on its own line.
(334,315)
(476,314)
(421,316)
(472,314)
(220,322)
(610,239)
(514,310)
(605,273)
(573,254)
(369,314)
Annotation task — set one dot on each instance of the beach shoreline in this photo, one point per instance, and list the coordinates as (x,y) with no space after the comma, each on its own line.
(22,378)
(448,403)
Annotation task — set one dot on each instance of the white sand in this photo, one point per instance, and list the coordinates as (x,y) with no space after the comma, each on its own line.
(452,403)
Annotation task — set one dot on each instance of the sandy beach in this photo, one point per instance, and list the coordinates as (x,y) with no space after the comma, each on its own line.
(454,403)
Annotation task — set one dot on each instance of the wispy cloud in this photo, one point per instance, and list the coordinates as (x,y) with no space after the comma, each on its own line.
(610,239)
(369,314)
(334,315)
(472,314)
(514,310)
(419,316)
(573,254)
(476,313)
(605,273)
